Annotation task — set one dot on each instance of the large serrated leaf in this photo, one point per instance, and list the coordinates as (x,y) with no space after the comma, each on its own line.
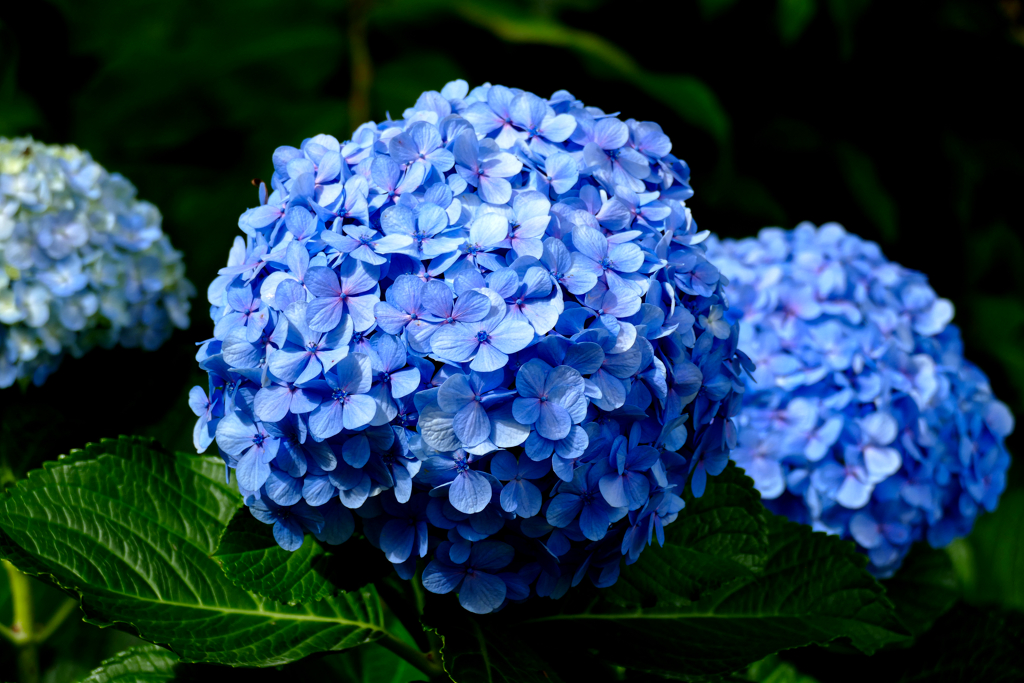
(813,589)
(718,537)
(923,589)
(131,527)
(253,560)
(142,664)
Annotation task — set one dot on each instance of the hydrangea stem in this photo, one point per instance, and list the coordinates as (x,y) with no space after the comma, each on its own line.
(362,67)
(22,630)
(423,662)
(417,590)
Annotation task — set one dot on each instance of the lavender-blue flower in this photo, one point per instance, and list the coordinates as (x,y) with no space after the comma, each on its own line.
(865,419)
(488,330)
(83,263)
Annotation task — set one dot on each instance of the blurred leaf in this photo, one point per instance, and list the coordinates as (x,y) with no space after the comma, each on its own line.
(998,329)
(924,588)
(149,663)
(253,561)
(866,187)
(996,561)
(372,664)
(712,8)
(400,82)
(131,527)
(689,97)
(968,645)
(845,14)
(774,670)
(793,17)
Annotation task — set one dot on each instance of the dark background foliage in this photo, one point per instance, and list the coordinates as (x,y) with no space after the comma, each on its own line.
(898,119)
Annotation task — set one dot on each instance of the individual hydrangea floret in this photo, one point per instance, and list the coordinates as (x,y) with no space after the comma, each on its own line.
(487,330)
(83,263)
(862,418)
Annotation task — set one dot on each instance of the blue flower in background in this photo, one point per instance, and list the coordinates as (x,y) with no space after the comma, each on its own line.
(489,330)
(862,417)
(83,263)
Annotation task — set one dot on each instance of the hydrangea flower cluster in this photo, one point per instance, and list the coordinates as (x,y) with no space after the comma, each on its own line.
(488,329)
(82,262)
(865,419)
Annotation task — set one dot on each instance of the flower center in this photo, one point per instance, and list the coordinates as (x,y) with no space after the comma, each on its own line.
(482,337)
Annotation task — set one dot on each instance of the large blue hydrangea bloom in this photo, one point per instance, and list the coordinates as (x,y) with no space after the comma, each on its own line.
(83,263)
(865,419)
(488,329)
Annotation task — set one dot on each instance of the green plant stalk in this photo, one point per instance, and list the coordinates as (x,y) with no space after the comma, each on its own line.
(362,66)
(421,661)
(23,627)
(432,637)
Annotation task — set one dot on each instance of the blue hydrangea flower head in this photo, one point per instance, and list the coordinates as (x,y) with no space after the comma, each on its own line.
(487,331)
(83,263)
(862,418)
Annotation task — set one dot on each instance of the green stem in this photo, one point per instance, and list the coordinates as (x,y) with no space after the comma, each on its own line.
(421,600)
(421,661)
(23,627)
(56,619)
(362,66)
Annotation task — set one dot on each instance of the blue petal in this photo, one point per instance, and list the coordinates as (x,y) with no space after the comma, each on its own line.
(470,492)
(482,593)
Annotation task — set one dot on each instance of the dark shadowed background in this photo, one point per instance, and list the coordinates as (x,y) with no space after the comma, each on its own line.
(899,119)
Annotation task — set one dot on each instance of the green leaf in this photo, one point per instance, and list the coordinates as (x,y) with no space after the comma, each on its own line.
(487,650)
(688,96)
(372,664)
(717,538)
(253,561)
(143,664)
(813,589)
(130,528)
(774,670)
(793,17)
(924,588)
(968,645)
(712,8)
(996,554)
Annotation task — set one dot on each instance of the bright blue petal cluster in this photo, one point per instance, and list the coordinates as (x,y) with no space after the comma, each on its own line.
(83,263)
(487,329)
(865,419)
